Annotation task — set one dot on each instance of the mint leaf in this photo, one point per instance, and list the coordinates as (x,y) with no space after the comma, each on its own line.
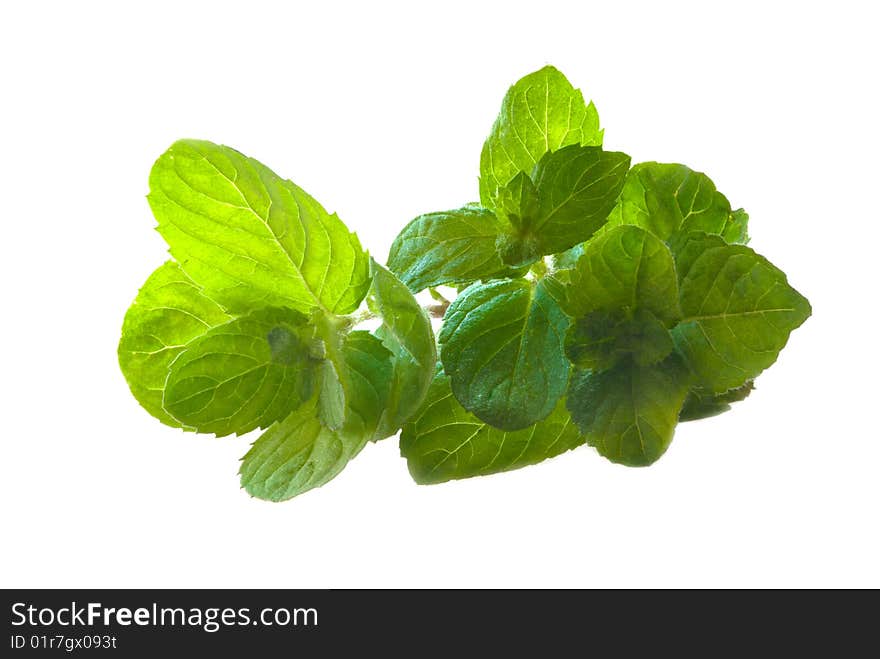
(331,397)
(736,228)
(701,407)
(243,374)
(625,268)
(444,441)
(406,332)
(629,413)
(449,247)
(568,258)
(250,238)
(542,112)
(517,203)
(170,310)
(667,199)
(738,311)
(577,188)
(369,374)
(502,347)
(298,454)
(601,339)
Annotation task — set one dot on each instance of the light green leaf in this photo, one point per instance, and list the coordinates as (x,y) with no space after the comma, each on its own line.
(542,112)
(667,199)
(405,331)
(701,407)
(502,346)
(444,441)
(299,454)
(736,230)
(244,374)
(517,202)
(170,310)
(449,247)
(250,238)
(577,188)
(625,268)
(738,311)
(331,398)
(629,413)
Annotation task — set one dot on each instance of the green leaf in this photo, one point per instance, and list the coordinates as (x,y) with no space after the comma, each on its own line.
(667,199)
(298,454)
(331,398)
(244,374)
(170,310)
(406,332)
(701,407)
(449,247)
(629,413)
(502,346)
(568,258)
(542,112)
(369,366)
(577,188)
(735,231)
(518,202)
(738,311)
(445,442)
(601,339)
(625,268)
(250,238)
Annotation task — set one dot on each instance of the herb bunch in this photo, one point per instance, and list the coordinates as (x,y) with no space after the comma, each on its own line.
(598,302)
(601,303)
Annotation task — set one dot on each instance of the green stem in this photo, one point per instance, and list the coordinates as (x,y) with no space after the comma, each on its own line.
(437,295)
(359,316)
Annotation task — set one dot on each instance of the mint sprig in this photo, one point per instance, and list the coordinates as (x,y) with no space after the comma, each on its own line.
(598,303)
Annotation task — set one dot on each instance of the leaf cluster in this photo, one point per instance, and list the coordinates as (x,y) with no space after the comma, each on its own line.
(601,303)
(254,323)
(598,302)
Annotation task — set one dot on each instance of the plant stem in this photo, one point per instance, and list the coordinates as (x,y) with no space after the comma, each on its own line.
(360,316)
(437,295)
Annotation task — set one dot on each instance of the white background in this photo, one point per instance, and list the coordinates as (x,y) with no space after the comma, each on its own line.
(380,111)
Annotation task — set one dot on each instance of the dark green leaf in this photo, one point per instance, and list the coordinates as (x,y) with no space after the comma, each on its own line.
(448,248)
(625,268)
(701,407)
(629,413)
(502,346)
(577,188)
(601,339)
(518,203)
